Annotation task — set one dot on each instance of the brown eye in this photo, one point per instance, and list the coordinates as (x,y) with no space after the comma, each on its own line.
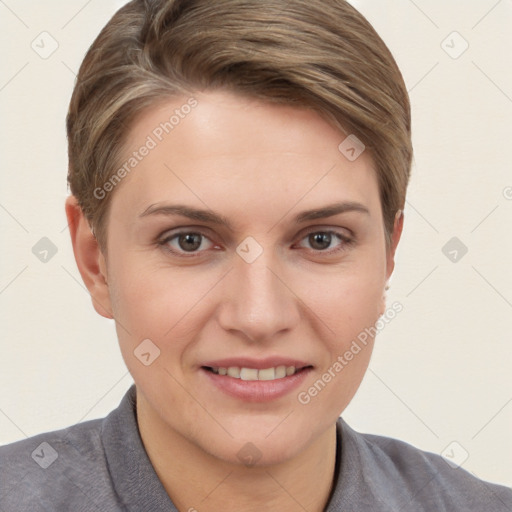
(187,243)
(328,242)
(190,241)
(320,241)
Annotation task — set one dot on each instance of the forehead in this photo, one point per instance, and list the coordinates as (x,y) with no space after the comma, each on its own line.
(219,146)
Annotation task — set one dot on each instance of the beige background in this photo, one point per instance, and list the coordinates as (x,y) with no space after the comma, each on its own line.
(441,370)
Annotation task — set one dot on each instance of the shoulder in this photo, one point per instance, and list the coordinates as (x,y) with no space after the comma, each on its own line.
(55,470)
(401,475)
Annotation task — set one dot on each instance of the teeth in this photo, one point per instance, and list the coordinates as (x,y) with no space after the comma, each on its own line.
(233,371)
(268,374)
(281,371)
(278,372)
(248,374)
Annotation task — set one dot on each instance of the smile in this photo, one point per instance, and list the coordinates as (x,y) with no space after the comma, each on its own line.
(250,384)
(273,373)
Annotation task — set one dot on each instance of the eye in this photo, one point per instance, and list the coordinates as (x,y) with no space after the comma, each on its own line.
(326,241)
(187,242)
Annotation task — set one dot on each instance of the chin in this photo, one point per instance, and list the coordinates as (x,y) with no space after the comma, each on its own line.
(257,445)
(256,453)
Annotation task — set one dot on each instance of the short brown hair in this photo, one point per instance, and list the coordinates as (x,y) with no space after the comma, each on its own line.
(321,54)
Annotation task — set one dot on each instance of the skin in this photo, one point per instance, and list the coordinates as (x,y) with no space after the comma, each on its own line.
(258,165)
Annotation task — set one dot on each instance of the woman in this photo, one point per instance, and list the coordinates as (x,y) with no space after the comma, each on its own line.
(238,172)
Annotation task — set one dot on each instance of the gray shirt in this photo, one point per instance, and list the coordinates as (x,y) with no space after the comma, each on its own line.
(101,465)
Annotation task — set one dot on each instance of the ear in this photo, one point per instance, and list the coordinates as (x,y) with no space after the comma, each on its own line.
(89,258)
(395,238)
(390,253)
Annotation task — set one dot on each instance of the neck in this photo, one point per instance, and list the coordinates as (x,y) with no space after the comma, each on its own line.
(197,481)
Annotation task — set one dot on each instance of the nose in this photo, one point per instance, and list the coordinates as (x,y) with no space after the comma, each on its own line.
(259,302)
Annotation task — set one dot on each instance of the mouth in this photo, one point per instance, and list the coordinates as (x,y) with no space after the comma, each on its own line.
(255,374)
(252,380)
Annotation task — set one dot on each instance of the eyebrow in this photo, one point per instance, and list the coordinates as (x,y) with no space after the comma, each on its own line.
(214,218)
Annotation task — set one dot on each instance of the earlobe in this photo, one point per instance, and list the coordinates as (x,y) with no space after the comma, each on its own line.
(89,258)
(383,301)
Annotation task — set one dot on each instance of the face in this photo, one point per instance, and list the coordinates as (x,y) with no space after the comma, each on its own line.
(244,242)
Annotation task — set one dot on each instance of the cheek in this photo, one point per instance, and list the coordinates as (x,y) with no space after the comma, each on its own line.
(348,304)
(160,303)
(348,312)
(345,300)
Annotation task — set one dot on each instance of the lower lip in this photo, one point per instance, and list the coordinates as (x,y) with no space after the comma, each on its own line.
(257,390)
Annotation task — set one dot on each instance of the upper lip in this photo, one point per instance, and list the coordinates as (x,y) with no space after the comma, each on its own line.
(259,364)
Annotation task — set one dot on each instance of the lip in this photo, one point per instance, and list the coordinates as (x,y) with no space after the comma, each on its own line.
(258,364)
(256,390)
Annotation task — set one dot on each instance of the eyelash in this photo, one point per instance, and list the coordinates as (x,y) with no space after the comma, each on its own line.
(346,242)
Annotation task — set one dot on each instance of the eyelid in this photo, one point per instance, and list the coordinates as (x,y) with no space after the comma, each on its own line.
(186,230)
(338,230)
